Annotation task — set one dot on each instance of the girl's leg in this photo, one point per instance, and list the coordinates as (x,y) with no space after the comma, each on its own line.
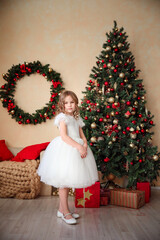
(63,207)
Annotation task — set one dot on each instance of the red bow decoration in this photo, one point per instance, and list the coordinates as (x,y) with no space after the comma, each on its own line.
(112,129)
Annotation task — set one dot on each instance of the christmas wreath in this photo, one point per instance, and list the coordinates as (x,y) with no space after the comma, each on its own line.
(7,92)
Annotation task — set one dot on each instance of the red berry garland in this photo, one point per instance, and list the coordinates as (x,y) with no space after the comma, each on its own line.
(7,92)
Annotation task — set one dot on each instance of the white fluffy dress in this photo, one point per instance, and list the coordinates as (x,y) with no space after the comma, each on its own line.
(61,165)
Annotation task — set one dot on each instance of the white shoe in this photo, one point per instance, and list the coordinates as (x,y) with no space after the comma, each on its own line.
(69,221)
(75,215)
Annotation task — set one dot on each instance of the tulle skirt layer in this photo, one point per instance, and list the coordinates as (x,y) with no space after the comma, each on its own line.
(62,166)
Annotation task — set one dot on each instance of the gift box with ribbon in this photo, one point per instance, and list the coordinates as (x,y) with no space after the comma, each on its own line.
(88,197)
(127,198)
(145,186)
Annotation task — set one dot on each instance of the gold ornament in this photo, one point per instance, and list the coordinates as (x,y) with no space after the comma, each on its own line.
(117,96)
(125,80)
(115,86)
(100,68)
(147,130)
(138,128)
(111,100)
(113,54)
(114,46)
(116,29)
(110,142)
(95,118)
(131,145)
(93,139)
(142,125)
(120,45)
(27,63)
(119,127)
(112,68)
(12,112)
(45,77)
(100,91)
(125,153)
(3,75)
(50,69)
(150,140)
(155,157)
(111,177)
(93,125)
(104,120)
(129,86)
(2,99)
(112,114)
(108,48)
(87,108)
(110,76)
(115,121)
(121,75)
(131,129)
(109,65)
(45,114)
(135,103)
(133,135)
(120,62)
(97,104)
(107,56)
(113,139)
(133,112)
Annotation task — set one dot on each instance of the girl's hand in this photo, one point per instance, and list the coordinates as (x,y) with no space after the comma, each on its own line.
(83,151)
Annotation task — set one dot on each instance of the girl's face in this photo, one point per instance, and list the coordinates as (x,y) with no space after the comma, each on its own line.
(69,105)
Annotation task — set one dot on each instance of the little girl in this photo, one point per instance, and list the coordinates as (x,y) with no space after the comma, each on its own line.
(67,161)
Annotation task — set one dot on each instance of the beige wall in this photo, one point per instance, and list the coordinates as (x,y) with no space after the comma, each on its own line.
(68,34)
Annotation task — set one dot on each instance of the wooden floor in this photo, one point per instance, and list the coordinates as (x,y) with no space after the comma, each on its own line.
(36,220)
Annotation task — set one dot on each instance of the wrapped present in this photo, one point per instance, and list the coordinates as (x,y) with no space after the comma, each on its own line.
(88,197)
(145,186)
(127,198)
(104,201)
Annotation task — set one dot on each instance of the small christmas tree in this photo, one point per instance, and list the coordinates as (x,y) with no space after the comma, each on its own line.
(117,121)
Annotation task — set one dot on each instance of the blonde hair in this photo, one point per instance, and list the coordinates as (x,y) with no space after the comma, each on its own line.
(61,106)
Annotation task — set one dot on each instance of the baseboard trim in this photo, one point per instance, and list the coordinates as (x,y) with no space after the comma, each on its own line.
(156,187)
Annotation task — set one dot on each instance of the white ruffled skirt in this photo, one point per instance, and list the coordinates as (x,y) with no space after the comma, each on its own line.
(62,166)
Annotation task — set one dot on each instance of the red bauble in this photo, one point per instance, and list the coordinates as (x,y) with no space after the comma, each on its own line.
(110,60)
(125,64)
(104,66)
(98,110)
(103,132)
(127,128)
(140,160)
(131,163)
(115,70)
(139,98)
(19,122)
(115,33)
(108,106)
(106,83)
(44,74)
(120,34)
(122,83)
(85,117)
(132,69)
(134,122)
(128,103)
(124,132)
(133,108)
(91,144)
(53,106)
(137,131)
(98,62)
(101,120)
(112,89)
(107,116)
(142,131)
(116,49)
(14,79)
(140,115)
(12,84)
(106,159)
(145,119)
(89,89)
(140,85)
(95,75)
(88,101)
(98,85)
(20,117)
(2,86)
(109,40)
(102,61)
(27,121)
(151,122)
(117,66)
(117,113)
(38,71)
(90,81)
(35,120)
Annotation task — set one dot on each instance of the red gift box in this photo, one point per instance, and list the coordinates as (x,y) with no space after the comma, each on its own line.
(145,186)
(104,196)
(88,197)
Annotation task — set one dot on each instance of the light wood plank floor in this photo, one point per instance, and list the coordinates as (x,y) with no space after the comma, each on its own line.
(36,220)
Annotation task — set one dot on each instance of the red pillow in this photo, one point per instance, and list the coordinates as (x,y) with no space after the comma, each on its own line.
(5,154)
(30,152)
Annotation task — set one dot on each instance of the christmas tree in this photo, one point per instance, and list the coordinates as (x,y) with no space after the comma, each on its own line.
(117,122)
